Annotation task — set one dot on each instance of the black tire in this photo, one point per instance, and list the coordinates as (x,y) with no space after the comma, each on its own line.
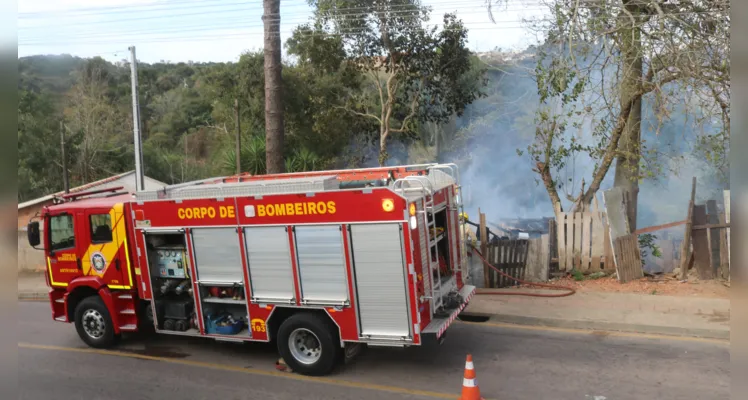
(100,333)
(169,325)
(324,334)
(145,318)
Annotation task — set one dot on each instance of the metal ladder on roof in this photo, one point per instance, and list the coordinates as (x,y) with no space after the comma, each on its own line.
(424,185)
(453,170)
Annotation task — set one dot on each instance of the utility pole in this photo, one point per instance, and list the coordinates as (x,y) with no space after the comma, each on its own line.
(65,181)
(139,184)
(238,138)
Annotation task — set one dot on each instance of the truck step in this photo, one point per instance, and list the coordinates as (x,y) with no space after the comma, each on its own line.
(128,327)
(128,311)
(61,318)
(60,300)
(125,296)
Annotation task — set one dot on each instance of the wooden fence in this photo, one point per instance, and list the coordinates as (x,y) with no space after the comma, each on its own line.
(583,242)
(510,257)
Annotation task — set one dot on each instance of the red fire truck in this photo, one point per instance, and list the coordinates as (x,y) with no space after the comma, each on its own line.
(318,262)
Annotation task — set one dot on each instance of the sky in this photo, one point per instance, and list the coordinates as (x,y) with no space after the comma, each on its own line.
(218,30)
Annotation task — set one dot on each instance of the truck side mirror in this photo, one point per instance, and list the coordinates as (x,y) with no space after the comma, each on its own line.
(33,233)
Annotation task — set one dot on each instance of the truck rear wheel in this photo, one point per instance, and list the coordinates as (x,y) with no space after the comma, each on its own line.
(94,324)
(309,344)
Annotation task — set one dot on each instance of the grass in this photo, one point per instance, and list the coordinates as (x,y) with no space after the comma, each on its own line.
(577,275)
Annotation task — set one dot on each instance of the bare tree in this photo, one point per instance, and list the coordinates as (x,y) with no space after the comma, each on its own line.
(601,58)
(273,88)
(94,122)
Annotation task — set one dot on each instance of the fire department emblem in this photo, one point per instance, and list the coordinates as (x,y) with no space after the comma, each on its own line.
(98,262)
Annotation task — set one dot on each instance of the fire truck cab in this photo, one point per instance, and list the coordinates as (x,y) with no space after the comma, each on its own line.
(319,263)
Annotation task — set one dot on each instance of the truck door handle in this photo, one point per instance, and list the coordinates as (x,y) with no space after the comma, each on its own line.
(116,264)
(78,263)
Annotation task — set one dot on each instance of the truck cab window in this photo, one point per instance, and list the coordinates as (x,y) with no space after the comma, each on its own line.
(101,228)
(61,232)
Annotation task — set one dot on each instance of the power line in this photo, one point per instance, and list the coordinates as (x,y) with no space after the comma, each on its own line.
(171,5)
(231,23)
(235,23)
(210,37)
(343,11)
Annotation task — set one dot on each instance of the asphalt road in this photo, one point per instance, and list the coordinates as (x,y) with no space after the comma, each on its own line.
(511,363)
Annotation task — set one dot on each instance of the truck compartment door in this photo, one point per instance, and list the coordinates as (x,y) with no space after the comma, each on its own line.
(321,261)
(381,291)
(218,256)
(269,260)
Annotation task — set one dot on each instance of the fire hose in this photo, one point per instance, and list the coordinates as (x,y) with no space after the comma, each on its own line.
(569,290)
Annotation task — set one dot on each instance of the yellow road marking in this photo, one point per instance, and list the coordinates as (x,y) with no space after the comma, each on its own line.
(599,332)
(253,371)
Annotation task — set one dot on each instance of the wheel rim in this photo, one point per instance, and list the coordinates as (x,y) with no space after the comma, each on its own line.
(93,324)
(305,346)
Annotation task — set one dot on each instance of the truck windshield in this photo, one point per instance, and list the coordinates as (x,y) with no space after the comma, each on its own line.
(61,232)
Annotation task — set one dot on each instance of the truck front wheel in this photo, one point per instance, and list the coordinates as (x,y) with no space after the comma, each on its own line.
(94,324)
(309,344)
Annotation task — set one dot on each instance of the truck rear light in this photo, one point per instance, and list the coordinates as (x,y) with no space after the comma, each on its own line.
(413,222)
(388,205)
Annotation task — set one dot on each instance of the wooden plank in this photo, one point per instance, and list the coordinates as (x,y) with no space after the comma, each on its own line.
(685,252)
(497,253)
(710,250)
(724,259)
(710,226)
(712,217)
(489,257)
(570,248)
(726,195)
(561,236)
(616,212)
(579,237)
(609,264)
(627,258)
(532,264)
(586,240)
(545,257)
(597,246)
(656,228)
(553,238)
(484,245)
(577,252)
(505,265)
(492,274)
(522,267)
(700,239)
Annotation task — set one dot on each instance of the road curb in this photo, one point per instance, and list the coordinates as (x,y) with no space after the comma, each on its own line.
(604,326)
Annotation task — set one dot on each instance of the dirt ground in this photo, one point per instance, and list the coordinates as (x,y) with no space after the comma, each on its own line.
(661,285)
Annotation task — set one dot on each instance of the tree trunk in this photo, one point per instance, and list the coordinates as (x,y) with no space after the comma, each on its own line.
(627,162)
(273,88)
(383,146)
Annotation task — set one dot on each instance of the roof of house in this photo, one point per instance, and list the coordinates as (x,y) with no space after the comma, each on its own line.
(126,179)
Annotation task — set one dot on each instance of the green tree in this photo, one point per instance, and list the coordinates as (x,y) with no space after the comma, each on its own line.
(414,70)
(39,160)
